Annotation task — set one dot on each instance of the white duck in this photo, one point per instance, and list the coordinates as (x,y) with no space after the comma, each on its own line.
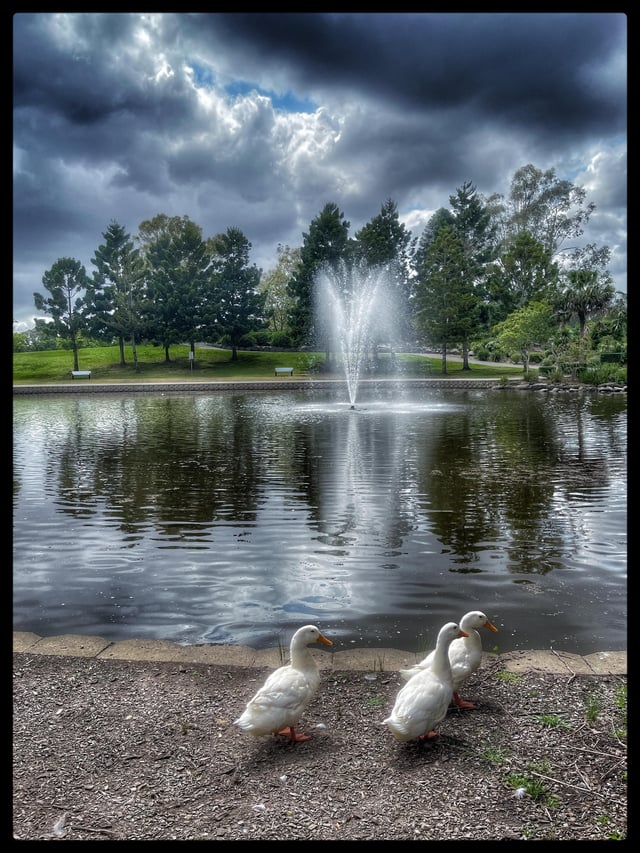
(423,701)
(465,655)
(280,702)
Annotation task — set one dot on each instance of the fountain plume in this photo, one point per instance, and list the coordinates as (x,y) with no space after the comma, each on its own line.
(355,306)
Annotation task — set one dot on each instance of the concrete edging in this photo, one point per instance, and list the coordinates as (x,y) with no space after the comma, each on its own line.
(363,659)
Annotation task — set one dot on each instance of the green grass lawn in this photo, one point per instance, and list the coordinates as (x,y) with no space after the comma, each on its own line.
(54,366)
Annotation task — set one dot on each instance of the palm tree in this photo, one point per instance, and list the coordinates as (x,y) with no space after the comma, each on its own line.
(586,296)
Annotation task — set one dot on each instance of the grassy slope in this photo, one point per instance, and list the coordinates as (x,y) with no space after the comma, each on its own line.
(55,366)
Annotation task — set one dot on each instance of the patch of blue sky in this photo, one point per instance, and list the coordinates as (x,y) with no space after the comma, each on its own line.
(202,76)
(287,102)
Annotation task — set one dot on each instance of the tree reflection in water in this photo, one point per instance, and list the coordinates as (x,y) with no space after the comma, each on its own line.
(234,517)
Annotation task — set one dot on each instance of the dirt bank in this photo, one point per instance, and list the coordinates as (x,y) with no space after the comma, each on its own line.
(109,749)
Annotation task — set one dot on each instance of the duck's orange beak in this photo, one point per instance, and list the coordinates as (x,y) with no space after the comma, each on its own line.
(463,633)
(491,627)
(325,640)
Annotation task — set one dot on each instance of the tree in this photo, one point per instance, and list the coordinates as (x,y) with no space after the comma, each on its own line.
(541,213)
(240,305)
(20,342)
(550,209)
(528,326)
(177,265)
(586,291)
(43,336)
(524,271)
(275,287)
(440,218)
(472,223)
(115,298)
(385,242)
(325,243)
(66,282)
(441,293)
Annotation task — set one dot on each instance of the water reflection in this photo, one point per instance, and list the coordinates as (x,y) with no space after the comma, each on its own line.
(235,517)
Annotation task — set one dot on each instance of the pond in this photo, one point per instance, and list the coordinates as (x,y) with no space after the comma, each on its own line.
(235,517)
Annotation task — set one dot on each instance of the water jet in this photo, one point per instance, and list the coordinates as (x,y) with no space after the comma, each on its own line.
(355,311)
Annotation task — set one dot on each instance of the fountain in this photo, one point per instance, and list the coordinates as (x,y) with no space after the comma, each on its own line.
(354,306)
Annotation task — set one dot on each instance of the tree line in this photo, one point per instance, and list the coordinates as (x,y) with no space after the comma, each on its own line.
(490,274)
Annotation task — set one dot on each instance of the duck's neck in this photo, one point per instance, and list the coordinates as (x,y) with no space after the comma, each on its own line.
(441,665)
(302,659)
(474,638)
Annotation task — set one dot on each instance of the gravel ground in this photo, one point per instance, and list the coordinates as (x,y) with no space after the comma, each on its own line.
(132,750)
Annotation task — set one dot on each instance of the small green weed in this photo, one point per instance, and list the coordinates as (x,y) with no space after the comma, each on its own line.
(533,786)
(536,789)
(495,755)
(543,766)
(509,677)
(620,730)
(553,721)
(614,835)
(375,701)
(593,708)
(621,698)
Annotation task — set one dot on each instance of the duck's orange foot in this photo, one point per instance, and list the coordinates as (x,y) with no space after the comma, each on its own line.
(462,703)
(428,736)
(293,735)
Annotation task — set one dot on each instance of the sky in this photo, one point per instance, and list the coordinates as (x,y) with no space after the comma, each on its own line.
(257,121)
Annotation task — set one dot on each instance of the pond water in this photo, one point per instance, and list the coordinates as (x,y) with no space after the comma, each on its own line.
(236,517)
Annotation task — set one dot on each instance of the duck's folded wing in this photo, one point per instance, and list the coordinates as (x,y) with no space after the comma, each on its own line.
(410,671)
(286,688)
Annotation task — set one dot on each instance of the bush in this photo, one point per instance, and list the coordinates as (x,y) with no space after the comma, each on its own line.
(281,339)
(259,338)
(602,374)
(312,363)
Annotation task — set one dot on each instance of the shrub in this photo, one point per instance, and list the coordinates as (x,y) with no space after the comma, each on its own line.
(312,363)
(600,374)
(281,339)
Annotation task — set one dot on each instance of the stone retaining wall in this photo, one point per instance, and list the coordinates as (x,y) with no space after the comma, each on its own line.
(276,384)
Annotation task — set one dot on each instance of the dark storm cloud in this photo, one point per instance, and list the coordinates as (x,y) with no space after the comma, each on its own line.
(126,115)
(521,68)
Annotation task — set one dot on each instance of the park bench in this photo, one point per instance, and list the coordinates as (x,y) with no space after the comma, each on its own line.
(81,374)
(283,370)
